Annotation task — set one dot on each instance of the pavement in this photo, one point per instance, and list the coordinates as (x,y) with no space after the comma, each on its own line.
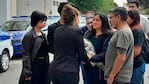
(146,80)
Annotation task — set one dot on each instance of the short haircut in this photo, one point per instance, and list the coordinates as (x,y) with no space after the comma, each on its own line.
(135,16)
(37,16)
(62,4)
(121,11)
(137,2)
(91,12)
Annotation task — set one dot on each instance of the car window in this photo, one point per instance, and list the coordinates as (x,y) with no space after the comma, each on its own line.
(5,26)
(52,19)
(21,25)
(15,25)
(83,20)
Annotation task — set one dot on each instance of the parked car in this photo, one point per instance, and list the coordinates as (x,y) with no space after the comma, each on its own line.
(6,51)
(147,16)
(17,28)
(82,21)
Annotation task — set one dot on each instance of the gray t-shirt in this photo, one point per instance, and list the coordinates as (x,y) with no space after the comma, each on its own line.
(123,38)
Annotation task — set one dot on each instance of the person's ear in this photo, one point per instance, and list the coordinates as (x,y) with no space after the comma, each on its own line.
(76,21)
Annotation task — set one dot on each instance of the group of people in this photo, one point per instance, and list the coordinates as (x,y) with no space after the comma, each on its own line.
(117,41)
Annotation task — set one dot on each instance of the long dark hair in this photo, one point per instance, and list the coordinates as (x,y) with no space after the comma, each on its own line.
(105,28)
(134,14)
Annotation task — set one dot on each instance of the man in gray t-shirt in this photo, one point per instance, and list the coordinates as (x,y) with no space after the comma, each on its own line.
(119,56)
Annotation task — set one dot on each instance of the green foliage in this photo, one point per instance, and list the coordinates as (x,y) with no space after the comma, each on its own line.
(93,5)
(145,3)
(144,6)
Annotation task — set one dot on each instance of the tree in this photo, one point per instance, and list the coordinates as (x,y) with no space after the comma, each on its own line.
(145,3)
(94,5)
(144,6)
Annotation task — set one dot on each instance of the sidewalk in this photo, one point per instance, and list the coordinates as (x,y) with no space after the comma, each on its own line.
(146,80)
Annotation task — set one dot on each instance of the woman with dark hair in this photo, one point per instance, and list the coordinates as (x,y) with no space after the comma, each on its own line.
(35,53)
(139,37)
(69,48)
(99,37)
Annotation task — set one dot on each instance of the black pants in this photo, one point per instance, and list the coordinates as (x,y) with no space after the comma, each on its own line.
(94,75)
(64,78)
(39,72)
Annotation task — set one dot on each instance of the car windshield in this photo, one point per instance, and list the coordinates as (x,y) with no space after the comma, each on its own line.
(83,20)
(52,19)
(15,26)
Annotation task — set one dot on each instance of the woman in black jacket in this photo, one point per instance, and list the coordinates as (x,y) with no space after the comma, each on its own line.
(69,48)
(35,53)
(99,37)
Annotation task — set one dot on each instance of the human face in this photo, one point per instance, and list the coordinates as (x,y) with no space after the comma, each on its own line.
(113,20)
(129,20)
(89,23)
(41,24)
(132,6)
(97,23)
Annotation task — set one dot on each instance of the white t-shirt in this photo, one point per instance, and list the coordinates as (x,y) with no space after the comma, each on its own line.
(145,23)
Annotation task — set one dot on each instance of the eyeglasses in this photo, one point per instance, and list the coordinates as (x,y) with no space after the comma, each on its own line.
(89,17)
(89,23)
(110,17)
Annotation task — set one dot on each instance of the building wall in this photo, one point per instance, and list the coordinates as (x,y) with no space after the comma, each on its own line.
(49,7)
(11,8)
(5,13)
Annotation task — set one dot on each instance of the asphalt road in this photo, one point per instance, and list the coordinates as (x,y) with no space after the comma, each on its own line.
(12,75)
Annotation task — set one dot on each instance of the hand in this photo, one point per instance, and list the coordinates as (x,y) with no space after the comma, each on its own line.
(89,55)
(110,80)
(83,62)
(28,78)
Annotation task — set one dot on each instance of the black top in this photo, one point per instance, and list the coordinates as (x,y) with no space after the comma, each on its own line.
(50,36)
(84,29)
(43,48)
(100,44)
(138,40)
(30,48)
(68,49)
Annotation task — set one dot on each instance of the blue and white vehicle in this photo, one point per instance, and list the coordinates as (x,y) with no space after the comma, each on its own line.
(6,51)
(17,28)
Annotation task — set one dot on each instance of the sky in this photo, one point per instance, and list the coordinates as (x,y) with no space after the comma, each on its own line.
(120,2)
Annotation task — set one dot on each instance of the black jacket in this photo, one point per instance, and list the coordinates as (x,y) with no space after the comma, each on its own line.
(50,36)
(100,57)
(30,47)
(68,49)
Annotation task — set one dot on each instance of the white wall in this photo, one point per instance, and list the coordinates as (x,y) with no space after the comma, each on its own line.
(9,8)
(13,8)
(5,12)
(25,7)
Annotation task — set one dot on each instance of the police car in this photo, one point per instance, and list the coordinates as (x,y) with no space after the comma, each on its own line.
(6,51)
(16,27)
